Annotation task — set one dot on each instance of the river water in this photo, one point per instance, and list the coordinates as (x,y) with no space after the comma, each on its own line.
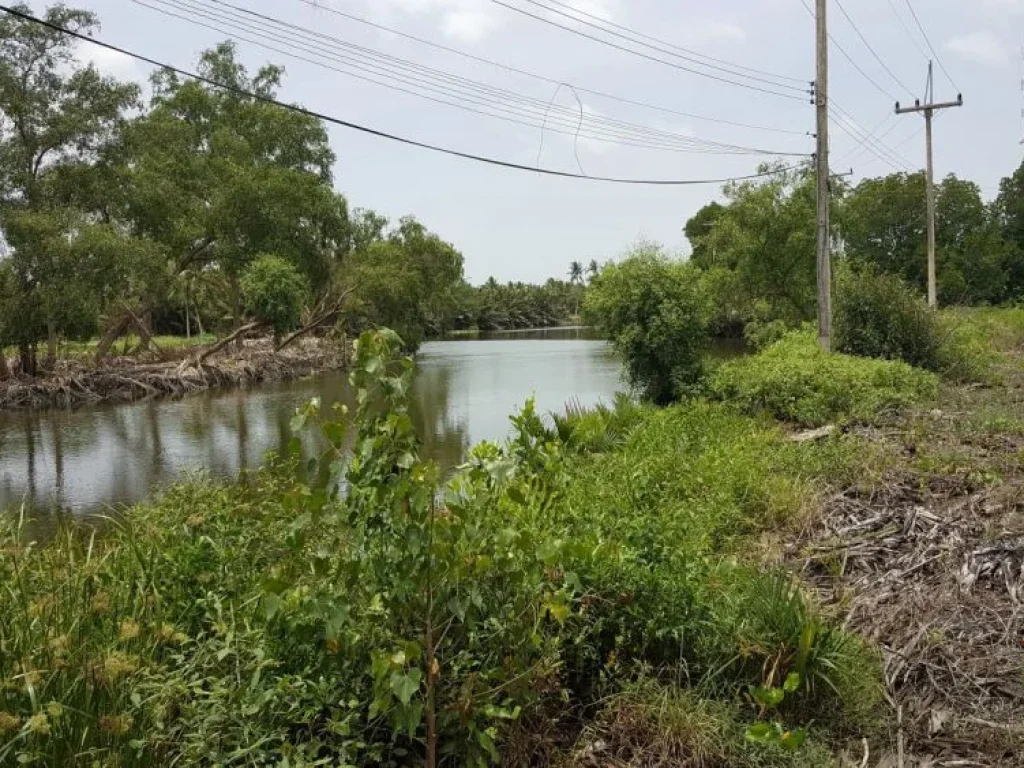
(97,459)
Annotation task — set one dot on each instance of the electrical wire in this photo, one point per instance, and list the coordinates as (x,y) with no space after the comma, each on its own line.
(373,131)
(606,129)
(851,127)
(910,35)
(850,58)
(673,46)
(931,47)
(649,57)
(543,78)
(870,48)
(659,48)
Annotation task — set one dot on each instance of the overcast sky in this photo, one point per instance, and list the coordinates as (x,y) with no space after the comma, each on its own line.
(522,226)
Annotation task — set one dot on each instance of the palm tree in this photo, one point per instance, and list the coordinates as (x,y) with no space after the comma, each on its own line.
(576,272)
(593,269)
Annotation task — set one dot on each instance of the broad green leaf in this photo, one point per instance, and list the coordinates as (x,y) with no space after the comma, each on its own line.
(405,685)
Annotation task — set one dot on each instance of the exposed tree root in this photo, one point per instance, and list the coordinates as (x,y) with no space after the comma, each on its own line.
(125,379)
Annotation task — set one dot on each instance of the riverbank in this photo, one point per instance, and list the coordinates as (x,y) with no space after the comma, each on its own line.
(618,588)
(177,372)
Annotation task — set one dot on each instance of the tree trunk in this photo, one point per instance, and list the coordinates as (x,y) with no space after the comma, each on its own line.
(5,371)
(51,343)
(199,322)
(27,353)
(188,319)
(113,333)
(236,309)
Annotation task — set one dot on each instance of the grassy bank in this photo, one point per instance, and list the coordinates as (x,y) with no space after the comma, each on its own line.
(595,591)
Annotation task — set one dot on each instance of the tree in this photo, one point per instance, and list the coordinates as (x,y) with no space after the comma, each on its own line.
(698,230)
(56,117)
(655,315)
(884,224)
(575,272)
(1008,215)
(275,293)
(219,178)
(766,234)
(592,269)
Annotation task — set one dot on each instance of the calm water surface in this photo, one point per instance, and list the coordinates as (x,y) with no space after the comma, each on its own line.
(99,458)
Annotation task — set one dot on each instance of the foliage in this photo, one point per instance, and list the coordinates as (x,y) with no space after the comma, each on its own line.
(795,380)
(496,307)
(655,315)
(878,315)
(765,235)
(57,118)
(885,228)
(406,279)
(274,292)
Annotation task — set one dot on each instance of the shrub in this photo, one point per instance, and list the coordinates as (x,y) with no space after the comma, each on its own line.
(655,315)
(275,292)
(878,315)
(795,380)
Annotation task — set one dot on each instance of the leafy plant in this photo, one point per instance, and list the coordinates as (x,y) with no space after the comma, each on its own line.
(656,316)
(275,292)
(796,381)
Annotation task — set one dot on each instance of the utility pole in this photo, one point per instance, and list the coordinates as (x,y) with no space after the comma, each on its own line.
(928,108)
(821,162)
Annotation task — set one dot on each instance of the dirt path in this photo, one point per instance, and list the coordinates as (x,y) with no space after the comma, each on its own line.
(929,564)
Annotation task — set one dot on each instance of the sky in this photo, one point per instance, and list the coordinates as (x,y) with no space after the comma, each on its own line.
(516,225)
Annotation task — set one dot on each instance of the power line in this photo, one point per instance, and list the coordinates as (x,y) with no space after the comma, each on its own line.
(649,57)
(931,47)
(850,126)
(850,59)
(609,23)
(870,48)
(730,70)
(607,129)
(910,35)
(537,76)
(373,131)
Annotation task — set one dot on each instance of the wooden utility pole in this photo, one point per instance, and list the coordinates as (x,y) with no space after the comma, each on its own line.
(821,162)
(928,108)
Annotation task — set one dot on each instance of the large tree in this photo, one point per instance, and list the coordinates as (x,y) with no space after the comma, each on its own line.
(1008,211)
(56,118)
(218,177)
(766,235)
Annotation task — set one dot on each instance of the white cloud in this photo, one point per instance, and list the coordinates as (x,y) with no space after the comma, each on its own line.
(110,63)
(470,25)
(1011,6)
(473,20)
(980,47)
(714,32)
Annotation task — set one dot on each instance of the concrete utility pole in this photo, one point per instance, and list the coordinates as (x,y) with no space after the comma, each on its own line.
(821,162)
(929,108)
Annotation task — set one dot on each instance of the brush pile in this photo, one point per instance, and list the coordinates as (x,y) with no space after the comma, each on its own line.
(932,570)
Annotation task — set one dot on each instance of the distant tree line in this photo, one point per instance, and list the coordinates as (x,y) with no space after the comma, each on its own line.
(756,249)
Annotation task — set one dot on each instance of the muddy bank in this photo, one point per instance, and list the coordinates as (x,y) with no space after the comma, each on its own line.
(73,383)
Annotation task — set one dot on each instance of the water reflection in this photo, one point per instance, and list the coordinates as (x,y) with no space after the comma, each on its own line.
(96,458)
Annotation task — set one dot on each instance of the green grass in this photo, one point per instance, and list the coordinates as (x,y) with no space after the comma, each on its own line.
(73,350)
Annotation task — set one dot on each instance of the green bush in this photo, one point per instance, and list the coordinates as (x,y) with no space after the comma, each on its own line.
(878,315)
(275,292)
(795,380)
(655,314)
